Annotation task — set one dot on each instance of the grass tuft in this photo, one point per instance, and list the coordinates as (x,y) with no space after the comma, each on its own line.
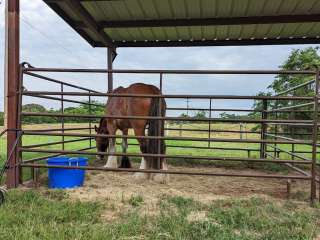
(135,200)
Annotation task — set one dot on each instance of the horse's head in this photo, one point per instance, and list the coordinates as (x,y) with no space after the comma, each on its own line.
(102,143)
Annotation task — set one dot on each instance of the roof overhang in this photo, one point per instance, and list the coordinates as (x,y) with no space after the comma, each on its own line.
(179,23)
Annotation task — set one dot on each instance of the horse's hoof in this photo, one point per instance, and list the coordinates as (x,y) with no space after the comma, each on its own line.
(111,163)
(99,159)
(110,166)
(140,176)
(160,178)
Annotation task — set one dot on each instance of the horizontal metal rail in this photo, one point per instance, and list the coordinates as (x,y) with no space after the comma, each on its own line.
(59,82)
(64,100)
(191,173)
(34,133)
(201,147)
(59,129)
(288,152)
(296,87)
(211,130)
(83,70)
(166,118)
(292,124)
(52,155)
(176,129)
(56,143)
(216,148)
(212,158)
(232,110)
(212,109)
(295,168)
(290,107)
(287,138)
(173,96)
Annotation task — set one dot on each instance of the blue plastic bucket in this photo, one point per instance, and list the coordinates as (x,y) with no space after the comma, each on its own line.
(66,178)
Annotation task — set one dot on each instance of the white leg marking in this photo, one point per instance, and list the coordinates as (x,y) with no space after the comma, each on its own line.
(112,160)
(140,175)
(162,178)
(143,163)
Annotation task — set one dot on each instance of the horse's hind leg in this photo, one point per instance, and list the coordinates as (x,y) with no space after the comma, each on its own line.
(125,161)
(143,147)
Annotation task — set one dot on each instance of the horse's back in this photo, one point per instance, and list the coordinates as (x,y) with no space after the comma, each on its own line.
(142,88)
(131,106)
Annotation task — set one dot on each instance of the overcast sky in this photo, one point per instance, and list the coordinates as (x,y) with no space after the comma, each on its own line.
(47,41)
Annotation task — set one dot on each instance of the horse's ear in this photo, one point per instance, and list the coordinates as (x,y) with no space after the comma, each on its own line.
(102,122)
(96,128)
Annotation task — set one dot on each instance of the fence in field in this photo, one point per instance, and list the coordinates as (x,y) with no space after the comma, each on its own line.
(270,141)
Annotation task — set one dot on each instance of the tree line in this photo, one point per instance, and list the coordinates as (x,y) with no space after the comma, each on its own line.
(82,109)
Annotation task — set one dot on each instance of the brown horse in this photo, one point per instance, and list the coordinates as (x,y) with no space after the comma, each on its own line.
(134,106)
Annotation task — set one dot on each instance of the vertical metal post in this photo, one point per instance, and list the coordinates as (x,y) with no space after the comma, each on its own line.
(263,128)
(161,123)
(62,112)
(90,120)
(314,140)
(292,128)
(12,67)
(209,135)
(241,131)
(188,106)
(275,134)
(19,121)
(110,74)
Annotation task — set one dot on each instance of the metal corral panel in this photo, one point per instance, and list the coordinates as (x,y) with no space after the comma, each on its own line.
(192,22)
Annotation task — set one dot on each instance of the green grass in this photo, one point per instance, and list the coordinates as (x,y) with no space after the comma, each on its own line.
(51,215)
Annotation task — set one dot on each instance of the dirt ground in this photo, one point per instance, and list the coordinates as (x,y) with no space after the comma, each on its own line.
(116,189)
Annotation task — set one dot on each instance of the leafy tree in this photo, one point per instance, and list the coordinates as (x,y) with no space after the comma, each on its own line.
(225,115)
(184,115)
(33,107)
(83,109)
(258,105)
(200,114)
(300,59)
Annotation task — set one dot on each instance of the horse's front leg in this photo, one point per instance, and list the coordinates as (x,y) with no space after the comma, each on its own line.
(112,160)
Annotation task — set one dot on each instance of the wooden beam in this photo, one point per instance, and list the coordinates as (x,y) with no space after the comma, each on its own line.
(12,70)
(211,21)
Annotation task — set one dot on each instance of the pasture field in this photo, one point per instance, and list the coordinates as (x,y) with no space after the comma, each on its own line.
(113,206)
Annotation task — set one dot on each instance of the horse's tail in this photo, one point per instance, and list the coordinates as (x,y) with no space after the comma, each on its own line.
(156,128)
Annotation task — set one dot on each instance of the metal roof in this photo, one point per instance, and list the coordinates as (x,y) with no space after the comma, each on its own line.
(143,23)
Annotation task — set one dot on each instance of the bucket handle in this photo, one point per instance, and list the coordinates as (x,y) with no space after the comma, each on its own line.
(76,162)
